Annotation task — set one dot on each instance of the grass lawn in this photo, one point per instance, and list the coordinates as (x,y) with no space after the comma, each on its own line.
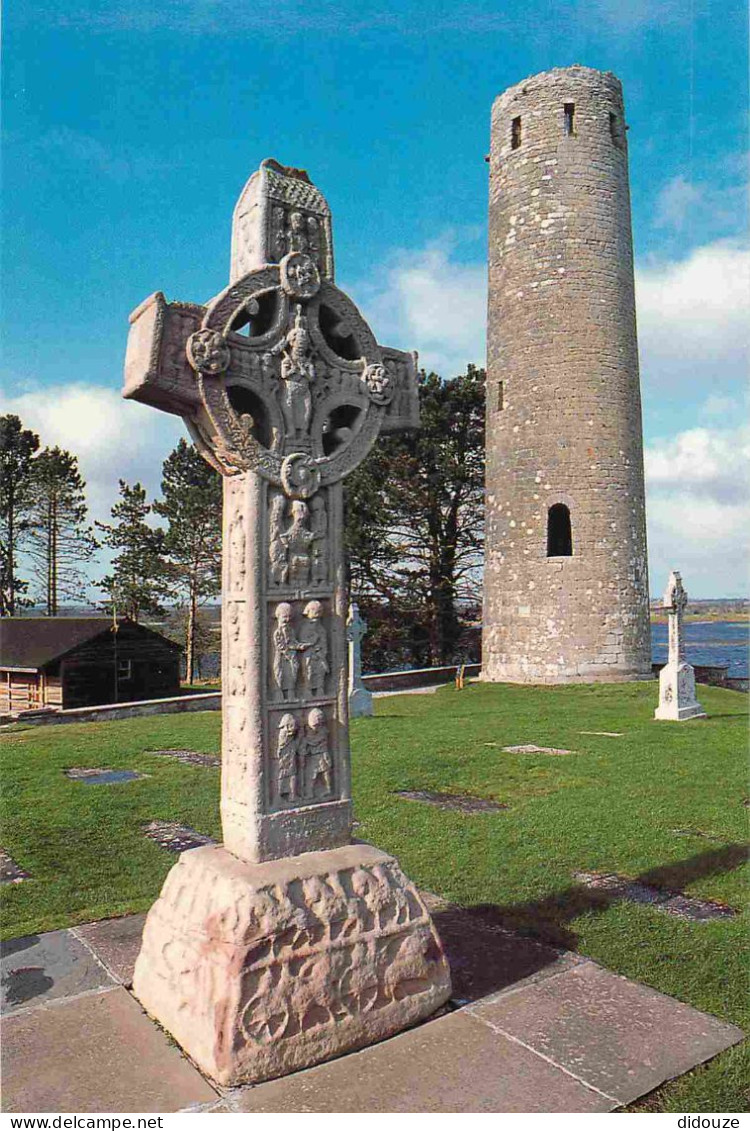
(663,803)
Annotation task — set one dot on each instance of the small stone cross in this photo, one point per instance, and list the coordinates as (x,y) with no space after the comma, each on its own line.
(677,701)
(360,699)
(284,390)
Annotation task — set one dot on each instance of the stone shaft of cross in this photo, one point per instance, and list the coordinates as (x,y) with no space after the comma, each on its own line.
(356,630)
(284,390)
(675,602)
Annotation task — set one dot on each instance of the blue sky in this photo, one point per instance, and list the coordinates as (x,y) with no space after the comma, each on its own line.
(128,132)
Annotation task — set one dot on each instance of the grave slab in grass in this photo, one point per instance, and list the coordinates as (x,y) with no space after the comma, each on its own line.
(453,1064)
(10,872)
(672,902)
(619,1036)
(457,802)
(102,777)
(530,748)
(175,837)
(116,943)
(189,757)
(40,968)
(95,1054)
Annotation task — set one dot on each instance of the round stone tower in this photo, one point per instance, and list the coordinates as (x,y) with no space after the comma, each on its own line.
(566,581)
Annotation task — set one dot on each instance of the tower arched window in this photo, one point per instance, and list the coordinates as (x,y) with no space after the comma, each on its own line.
(559,536)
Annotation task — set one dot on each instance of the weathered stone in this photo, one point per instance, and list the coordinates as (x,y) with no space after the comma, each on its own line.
(10,872)
(673,902)
(677,701)
(189,757)
(360,699)
(102,777)
(284,411)
(458,802)
(41,968)
(530,748)
(97,1053)
(565,578)
(618,1036)
(115,942)
(175,837)
(261,969)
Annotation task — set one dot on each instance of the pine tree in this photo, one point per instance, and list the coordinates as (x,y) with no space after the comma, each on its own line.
(414,514)
(59,541)
(191,504)
(17,447)
(140,577)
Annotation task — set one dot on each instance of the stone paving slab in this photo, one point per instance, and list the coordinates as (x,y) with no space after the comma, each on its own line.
(116,943)
(97,1053)
(454,1064)
(621,1037)
(486,957)
(40,968)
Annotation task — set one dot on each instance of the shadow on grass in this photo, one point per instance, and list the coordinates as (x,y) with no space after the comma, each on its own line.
(490,947)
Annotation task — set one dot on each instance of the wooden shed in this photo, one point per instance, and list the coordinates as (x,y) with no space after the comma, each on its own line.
(66,662)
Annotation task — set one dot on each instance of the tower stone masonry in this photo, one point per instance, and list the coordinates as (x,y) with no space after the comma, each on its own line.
(566,579)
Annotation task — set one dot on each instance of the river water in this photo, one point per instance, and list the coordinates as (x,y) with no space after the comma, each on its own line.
(708,642)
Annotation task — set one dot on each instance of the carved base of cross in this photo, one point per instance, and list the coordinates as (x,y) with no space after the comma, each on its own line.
(259,970)
(677,701)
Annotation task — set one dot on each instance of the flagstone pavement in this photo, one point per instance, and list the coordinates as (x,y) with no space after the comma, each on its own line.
(530,1028)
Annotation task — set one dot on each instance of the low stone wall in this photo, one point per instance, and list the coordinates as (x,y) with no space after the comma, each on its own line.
(715,675)
(383,681)
(416,677)
(104,712)
(211,701)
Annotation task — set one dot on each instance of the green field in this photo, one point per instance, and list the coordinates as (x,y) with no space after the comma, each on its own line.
(663,803)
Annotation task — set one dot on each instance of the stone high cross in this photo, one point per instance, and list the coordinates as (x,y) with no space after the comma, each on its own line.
(677,701)
(360,699)
(284,390)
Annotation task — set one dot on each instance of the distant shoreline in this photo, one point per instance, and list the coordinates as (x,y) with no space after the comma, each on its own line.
(697,617)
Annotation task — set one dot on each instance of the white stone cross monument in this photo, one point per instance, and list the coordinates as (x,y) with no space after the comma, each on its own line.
(677,699)
(287,944)
(360,699)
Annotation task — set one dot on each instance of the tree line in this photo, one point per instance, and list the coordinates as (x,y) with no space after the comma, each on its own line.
(413,532)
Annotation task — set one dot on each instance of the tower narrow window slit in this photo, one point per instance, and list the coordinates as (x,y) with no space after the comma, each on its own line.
(570,110)
(515,133)
(559,536)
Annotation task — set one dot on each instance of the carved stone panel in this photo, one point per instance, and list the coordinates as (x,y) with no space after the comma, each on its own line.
(303,756)
(310,957)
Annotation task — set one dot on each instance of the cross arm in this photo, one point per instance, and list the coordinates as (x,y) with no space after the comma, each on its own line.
(402,412)
(157,371)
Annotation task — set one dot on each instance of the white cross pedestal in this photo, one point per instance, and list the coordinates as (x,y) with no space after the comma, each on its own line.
(360,699)
(677,701)
(288,944)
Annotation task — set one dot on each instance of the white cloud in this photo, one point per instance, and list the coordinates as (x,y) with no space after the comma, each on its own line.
(113,439)
(675,203)
(427,300)
(698,508)
(693,322)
